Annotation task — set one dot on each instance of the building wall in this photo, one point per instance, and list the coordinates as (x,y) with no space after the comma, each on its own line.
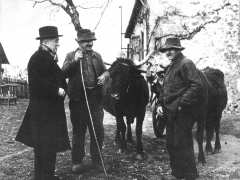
(140,30)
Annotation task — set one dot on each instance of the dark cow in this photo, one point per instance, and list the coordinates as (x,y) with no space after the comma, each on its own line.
(127,97)
(217,101)
(210,112)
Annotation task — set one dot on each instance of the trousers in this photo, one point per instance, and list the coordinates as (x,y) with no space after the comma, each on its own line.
(180,145)
(81,122)
(44,163)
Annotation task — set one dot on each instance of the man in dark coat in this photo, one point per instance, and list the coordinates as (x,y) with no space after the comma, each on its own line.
(182,92)
(44,125)
(92,67)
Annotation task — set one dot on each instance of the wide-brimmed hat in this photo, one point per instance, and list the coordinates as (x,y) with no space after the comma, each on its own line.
(48,32)
(171,43)
(85,35)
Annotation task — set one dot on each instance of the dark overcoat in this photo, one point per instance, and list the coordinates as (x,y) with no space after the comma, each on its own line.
(182,85)
(44,122)
(183,97)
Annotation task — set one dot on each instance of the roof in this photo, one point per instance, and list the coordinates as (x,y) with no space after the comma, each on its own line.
(133,19)
(3,57)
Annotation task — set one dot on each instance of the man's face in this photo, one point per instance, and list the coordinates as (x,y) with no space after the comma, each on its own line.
(85,45)
(172,54)
(53,44)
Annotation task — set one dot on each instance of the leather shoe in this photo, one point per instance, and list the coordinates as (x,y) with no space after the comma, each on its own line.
(169,177)
(97,167)
(78,168)
(55,177)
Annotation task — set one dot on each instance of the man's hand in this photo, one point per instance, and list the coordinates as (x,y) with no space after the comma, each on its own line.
(78,54)
(103,78)
(179,108)
(159,111)
(61,92)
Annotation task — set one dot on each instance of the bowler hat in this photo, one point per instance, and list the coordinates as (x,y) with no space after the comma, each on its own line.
(85,35)
(171,43)
(48,32)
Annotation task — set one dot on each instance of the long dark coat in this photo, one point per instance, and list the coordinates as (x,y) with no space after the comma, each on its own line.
(183,87)
(44,122)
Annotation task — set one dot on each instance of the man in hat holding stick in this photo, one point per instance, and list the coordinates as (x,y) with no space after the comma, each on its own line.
(83,67)
(44,125)
(182,91)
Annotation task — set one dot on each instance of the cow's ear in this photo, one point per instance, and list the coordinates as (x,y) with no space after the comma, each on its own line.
(113,68)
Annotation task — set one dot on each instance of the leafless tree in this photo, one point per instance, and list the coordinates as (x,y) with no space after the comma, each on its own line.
(188,32)
(68,6)
(71,10)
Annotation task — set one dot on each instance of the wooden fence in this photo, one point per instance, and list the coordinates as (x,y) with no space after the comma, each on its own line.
(21,86)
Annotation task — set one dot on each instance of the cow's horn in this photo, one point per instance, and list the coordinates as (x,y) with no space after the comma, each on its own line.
(146,59)
(106,63)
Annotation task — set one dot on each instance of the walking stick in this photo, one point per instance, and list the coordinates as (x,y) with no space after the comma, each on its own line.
(91,120)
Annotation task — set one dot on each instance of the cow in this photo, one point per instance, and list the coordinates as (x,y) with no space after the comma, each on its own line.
(127,96)
(217,101)
(210,112)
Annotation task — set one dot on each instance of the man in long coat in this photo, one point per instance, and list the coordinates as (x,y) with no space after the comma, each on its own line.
(44,125)
(182,94)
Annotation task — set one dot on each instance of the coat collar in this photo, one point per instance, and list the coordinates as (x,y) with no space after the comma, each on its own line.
(177,59)
(48,50)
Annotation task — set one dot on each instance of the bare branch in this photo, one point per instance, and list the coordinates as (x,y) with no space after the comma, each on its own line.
(222,7)
(70,9)
(200,60)
(192,33)
(35,2)
(189,34)
(200,13)
(102,15)
(70,2)
(157,23)
(43,1)
(92,7)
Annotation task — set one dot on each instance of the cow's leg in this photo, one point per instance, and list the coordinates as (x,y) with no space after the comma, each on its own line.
(129,129)
(123,132)
(117,136)
(118,131)
(200,131)
(121,129)
(217,148)
(209,134)
(139,124)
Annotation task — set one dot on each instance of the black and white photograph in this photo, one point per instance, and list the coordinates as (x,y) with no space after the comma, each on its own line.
(119,90)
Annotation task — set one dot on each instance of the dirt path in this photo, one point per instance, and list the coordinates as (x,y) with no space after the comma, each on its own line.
(224,165)
(16,160)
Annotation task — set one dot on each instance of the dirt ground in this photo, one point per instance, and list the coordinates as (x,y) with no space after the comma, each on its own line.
(16,160)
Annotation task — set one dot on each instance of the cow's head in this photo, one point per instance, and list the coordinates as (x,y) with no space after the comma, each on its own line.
(120,74)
